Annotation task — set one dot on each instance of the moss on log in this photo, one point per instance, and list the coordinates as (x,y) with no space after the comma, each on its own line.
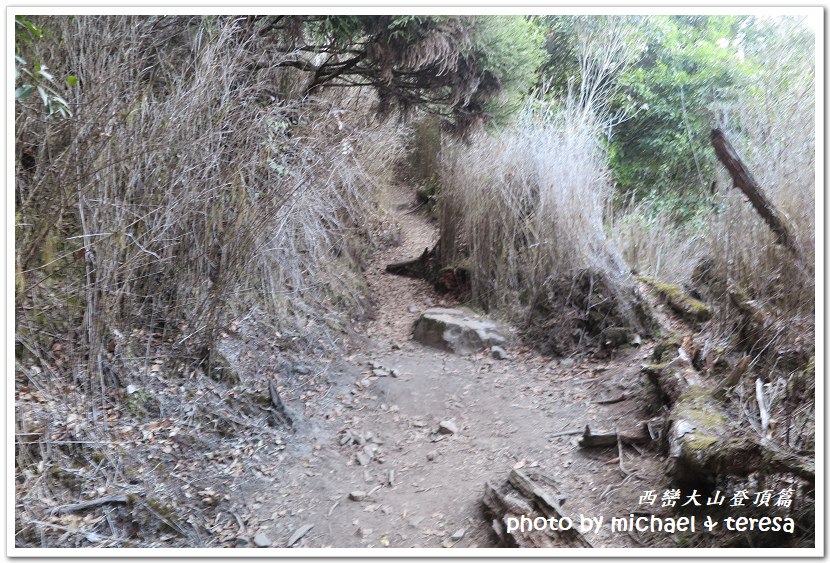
(681,302)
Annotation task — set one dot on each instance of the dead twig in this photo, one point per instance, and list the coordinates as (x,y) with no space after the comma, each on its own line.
(69,508)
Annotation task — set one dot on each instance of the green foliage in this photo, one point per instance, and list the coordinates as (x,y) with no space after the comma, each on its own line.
(685,70)
(467,69)
(35,76)
(512,49)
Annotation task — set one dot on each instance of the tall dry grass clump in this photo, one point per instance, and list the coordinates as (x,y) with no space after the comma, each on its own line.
(188,188)
(522,210)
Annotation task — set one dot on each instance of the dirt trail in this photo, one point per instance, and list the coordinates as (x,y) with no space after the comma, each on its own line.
(426,487)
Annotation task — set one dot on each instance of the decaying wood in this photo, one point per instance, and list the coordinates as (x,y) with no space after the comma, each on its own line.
(779,461)
(669,381)
(550,505)
(590,440)
(520,497)
(679,300)
(744,181)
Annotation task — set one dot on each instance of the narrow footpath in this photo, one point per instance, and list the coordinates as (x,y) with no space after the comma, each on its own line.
(368,467)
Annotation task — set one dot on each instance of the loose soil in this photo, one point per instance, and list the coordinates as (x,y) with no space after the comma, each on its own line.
(425,486)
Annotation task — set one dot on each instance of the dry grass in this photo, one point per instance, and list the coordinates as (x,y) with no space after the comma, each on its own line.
(188,190)
(183,191)
(523,209)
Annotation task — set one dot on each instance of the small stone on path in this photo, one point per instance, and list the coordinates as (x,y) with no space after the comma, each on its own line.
(432,455)
(242,541)
(357,495)
(447,427)
(261,540)
(363,459)
(499,353)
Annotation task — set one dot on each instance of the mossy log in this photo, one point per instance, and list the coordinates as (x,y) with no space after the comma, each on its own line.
(681,302)
(704,442)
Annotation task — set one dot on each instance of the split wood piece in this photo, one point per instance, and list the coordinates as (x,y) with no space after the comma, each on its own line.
(507,503)
(733,378)
(744,181)
(619,399)
(295,537)
(762,407)
(551,506)
(279,412)
(590,440)
(70,508)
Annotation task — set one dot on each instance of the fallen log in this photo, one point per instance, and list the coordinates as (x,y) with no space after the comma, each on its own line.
(744,181)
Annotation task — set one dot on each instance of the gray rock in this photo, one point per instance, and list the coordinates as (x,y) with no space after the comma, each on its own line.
(458,330)
(261,540)
(459,534)
(429,302)
(363,458)
(301,531)
(242,542)
(363,533)
(396,346)
(375,365)
(357,495)
(414,309)
(380,372)
(499,353)
(432,455)
(302,369)
(394,373)
(447,427)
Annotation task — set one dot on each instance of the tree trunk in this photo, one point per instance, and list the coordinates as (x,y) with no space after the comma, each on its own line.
(747,184)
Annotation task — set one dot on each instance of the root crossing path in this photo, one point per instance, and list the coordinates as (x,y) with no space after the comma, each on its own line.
(368,467)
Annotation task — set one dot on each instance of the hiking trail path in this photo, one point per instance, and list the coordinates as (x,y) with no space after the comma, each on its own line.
(422,488)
